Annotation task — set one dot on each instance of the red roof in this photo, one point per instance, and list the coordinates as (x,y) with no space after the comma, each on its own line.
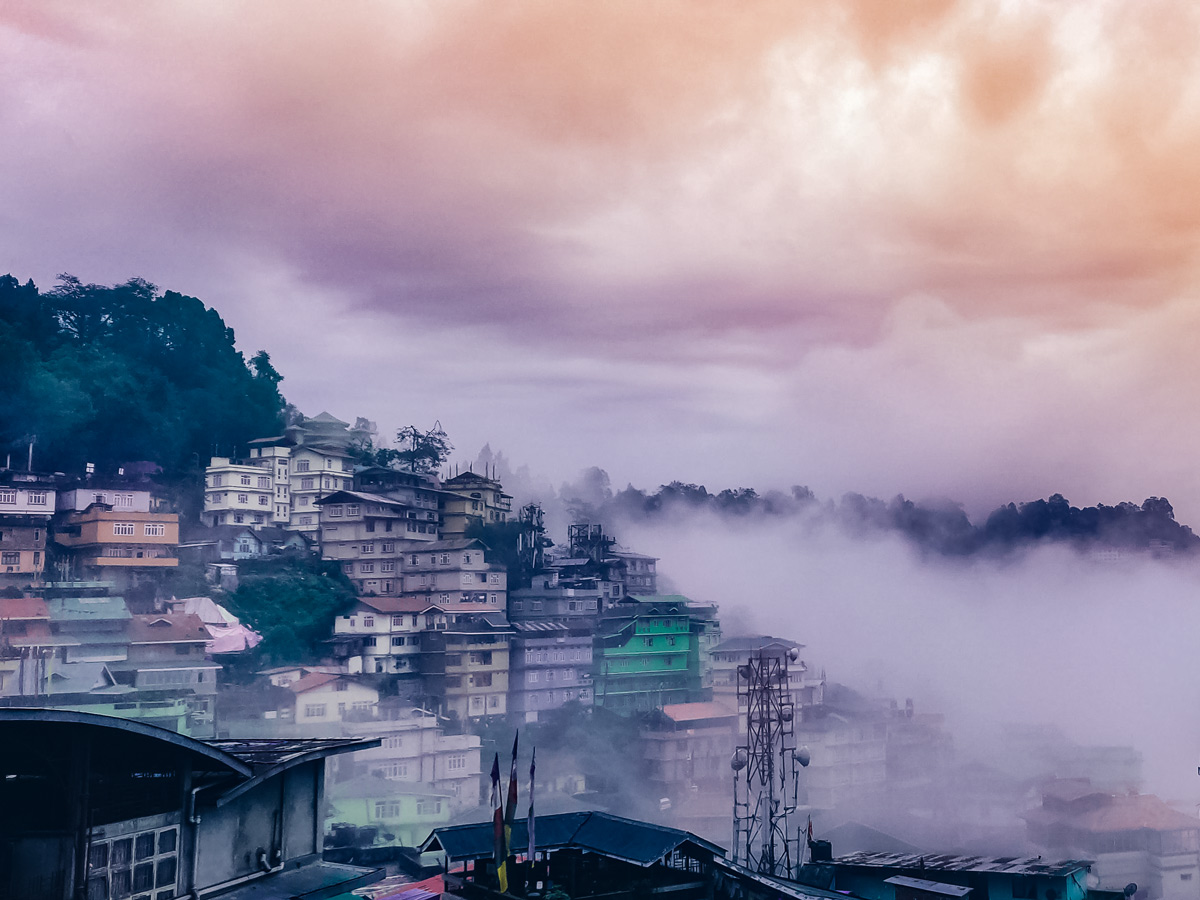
(1123,812)
(23,608)
(168,628)
(311,681)
(690,712)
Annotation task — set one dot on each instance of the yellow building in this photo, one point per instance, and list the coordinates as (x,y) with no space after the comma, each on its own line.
(469,497)
(101,537)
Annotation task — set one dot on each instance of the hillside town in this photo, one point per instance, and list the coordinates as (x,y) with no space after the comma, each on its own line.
(464,625)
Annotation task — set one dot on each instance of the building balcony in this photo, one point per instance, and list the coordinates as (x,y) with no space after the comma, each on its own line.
(150,562)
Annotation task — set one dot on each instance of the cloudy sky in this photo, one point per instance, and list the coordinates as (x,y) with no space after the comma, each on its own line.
(935,248)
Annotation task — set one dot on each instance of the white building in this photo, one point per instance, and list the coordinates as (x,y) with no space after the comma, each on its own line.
(240,494)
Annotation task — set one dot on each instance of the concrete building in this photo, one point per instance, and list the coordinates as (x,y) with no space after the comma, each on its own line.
(239,494)
(370,535)
(1133,838)
(849,755)
(469,497)
(109,542)
(383,636)
(103,807)
(804,687)
(467,666)
(645,656)
(687,748)
(324,701)
(167,652)
(456,575)
(372,814)
(413,749)
(22,550)
(550,664)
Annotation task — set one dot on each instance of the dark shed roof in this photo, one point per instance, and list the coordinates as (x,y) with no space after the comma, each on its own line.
(639,843)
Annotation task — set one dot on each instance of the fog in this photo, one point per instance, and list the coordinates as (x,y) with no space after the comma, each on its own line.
(1105,650)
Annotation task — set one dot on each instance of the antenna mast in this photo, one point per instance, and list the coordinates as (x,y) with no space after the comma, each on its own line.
(770,764)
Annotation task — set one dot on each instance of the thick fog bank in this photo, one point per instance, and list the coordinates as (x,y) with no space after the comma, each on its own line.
(1106,650)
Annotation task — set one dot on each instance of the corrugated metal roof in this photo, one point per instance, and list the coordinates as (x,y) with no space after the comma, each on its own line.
(929,887)
(948,863)
(692,712)
(640,843)
(87,608)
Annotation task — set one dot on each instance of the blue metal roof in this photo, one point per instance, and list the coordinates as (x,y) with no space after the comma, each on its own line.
(639,843)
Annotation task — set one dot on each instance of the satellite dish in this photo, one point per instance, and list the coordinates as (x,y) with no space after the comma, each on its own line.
(1130,889)
(793,654)
(802,756)
(739,760)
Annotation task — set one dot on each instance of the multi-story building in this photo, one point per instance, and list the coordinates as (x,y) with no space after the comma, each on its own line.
(849,754)
(468,498)
(1132,838)
(549,599)
(646,657)
(118,540)
(167,652)
(370,535)
(413,749)
(456,575)
(383,635)
(316,471)
(636,572)
(283,476)
(26,494)
(240,494)
(470,679)
(804,688)
(551,664)
(687,749)
(27,501)
(22,550)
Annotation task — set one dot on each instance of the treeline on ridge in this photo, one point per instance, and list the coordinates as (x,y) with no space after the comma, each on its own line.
(939,528)
(113,375)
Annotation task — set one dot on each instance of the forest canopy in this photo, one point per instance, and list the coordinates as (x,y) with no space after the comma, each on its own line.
(111,375)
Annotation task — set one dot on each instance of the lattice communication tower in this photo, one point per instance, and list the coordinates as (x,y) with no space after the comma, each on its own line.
(766,767)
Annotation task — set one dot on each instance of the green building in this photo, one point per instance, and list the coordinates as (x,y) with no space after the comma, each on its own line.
(650,651)
(372,813)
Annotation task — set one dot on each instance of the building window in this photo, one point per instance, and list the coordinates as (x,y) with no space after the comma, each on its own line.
(368,548)
(388,587)
(411,562)
(388,565)
(314,710)
(389,546)
(151,530)
(306,520)
(366,567)
(395,770)
(302,465)
(37,498)
(123,529)
(492,598)
(429,807)
(246,481)
(263,500)
(335,510)
(8,496)
(264,481)
(387,809)
(466,559)
(10,559)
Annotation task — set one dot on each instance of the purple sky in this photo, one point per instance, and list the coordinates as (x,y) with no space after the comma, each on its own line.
(934,248)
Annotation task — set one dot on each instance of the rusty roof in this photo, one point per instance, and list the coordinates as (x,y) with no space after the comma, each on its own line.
(168,628)
(933,863)
(24,608)
(692,712)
